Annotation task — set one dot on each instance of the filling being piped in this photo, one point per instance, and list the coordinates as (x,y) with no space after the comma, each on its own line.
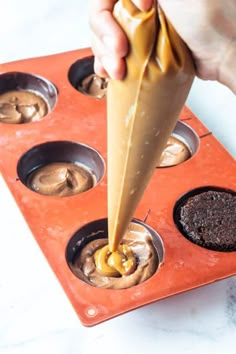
(143,109)
(158,78)
(134,261)
(115,264)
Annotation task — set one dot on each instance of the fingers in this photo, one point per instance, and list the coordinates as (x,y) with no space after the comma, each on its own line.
(143,5)
(109,43)
(99,69)
(110,67)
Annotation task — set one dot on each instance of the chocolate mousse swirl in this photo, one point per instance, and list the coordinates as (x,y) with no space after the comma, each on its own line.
(21,107)
(60,179)
(139,242)
(174,153)
(94,85)
(9,114)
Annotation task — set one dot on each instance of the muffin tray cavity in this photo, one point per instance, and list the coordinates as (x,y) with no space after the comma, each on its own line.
(25,97)
(72,130)
(67,156)
(98,229)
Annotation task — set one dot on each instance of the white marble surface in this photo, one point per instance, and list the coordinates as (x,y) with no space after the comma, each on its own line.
(35,315)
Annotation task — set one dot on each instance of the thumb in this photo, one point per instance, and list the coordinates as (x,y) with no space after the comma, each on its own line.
(143,5)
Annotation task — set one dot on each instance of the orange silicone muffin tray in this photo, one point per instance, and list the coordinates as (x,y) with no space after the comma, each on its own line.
(54,220)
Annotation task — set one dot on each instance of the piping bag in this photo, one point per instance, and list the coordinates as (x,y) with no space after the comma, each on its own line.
(142,109)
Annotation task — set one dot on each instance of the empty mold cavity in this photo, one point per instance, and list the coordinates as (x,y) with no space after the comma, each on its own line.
(25,98)
(61,168)
(145,243)
(82,77)
(182,144)
(207,217)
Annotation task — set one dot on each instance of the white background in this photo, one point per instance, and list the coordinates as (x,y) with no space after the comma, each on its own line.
(35,315)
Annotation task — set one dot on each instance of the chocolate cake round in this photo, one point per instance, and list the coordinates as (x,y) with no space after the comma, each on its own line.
(209,220)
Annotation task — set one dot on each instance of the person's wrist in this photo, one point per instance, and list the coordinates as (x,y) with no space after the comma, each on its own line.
(227,69)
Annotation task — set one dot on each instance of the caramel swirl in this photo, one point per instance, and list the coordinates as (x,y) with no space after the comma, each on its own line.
(134,262)
(112,264)
(21,107)
(60,179)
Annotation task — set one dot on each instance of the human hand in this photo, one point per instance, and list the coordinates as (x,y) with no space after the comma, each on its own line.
(207,27)
(109,42)
(209,30)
